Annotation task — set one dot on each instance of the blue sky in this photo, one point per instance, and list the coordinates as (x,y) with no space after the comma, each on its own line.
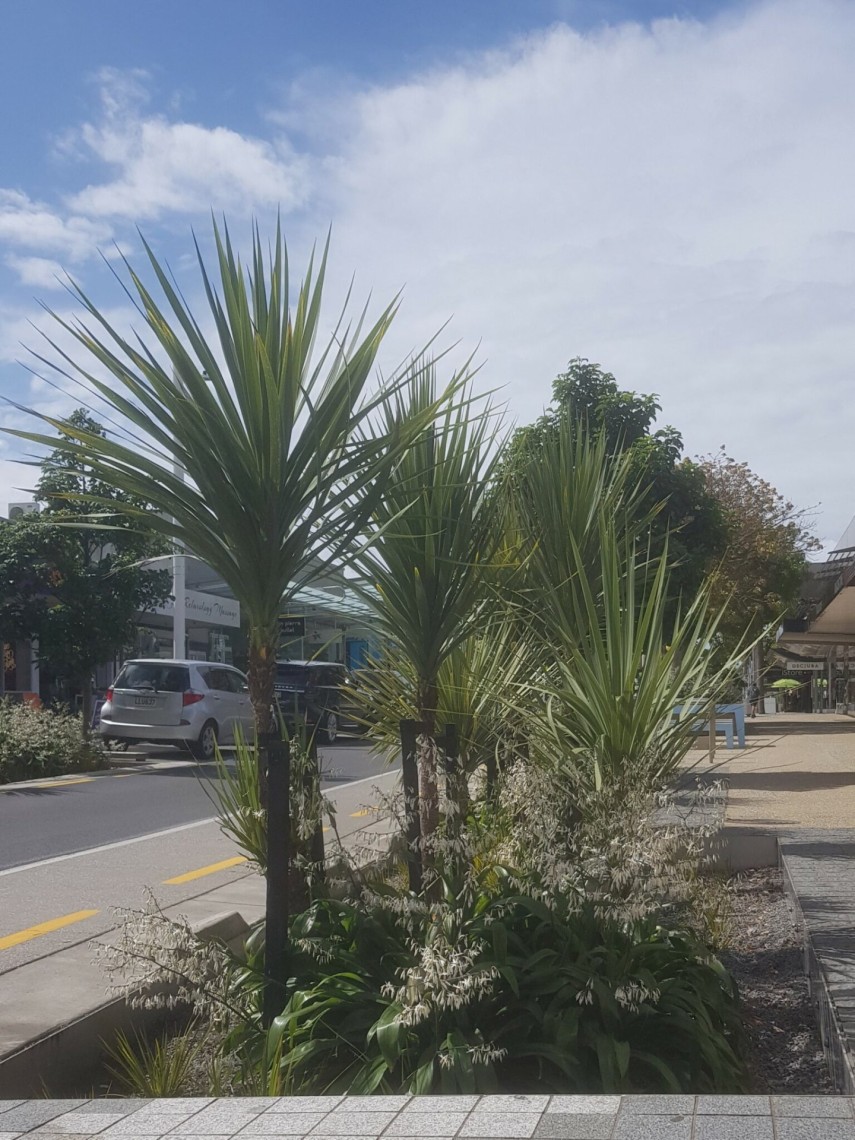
(663,188)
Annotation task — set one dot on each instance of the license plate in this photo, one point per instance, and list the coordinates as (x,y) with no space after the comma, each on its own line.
(145,702)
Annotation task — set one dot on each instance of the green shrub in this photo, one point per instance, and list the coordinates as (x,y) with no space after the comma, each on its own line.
(493,989)
(38,742)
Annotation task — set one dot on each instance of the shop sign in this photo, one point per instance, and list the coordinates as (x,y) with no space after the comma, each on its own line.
(805,666)
(292,626)
(208,608)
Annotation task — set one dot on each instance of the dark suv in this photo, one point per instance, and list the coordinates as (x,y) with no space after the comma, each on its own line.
(312,691)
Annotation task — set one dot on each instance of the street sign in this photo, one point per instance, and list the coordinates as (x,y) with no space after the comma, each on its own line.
(805,666)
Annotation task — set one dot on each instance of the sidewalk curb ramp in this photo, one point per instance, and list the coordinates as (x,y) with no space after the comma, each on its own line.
(61,1061)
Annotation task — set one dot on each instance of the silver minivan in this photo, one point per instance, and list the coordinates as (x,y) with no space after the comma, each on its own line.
(192,704)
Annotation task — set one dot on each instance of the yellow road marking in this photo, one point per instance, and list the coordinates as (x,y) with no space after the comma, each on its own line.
(44,928)
(209,870)
(50,784)
(362,812)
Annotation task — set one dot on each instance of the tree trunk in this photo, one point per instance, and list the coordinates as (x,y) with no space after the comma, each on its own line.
(428,789)
(262,676)
(274,777)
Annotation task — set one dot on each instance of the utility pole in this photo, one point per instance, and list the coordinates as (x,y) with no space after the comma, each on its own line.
(179,615)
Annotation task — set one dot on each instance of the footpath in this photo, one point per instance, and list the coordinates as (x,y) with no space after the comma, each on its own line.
(791,799)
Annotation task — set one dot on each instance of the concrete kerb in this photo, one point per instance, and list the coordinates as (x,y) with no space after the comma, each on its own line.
(58,1061)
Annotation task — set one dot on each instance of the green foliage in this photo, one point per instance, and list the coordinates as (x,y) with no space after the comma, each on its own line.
(433,531)
(760,573)
(492,989)
(161,1069)
(37,742)
(74,584)
(475,685)
(686,514)
(236,795)
(28,551)
(98,585)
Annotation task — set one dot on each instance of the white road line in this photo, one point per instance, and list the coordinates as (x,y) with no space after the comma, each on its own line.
(108,846)
(157,834)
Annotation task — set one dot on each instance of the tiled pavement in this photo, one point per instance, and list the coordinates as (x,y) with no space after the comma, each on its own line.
(820,876)
(438,1117)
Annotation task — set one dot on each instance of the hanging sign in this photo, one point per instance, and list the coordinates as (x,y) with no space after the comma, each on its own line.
(292,626)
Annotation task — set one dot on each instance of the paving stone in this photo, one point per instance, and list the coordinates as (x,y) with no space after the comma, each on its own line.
(643,1126)
(255,1103)
(376,1103)
(215,1121)
(145,1124)
(340,1122)
(112,1105)
(500,1124)
(815,1106)
(34,1113)
(577,1125)
(520,1103)
(429,1124)
(658,1105)
(167,1105)
(609,1104)
(440,1103)
(275,1123)
(10,1135)
(74,1123)
(733,1106)
(6,1104)
(46,1134)
(304,1103)
(811,1128)
(733,1128)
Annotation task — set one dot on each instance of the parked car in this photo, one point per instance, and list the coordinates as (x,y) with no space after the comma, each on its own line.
(313,692)
(192,704)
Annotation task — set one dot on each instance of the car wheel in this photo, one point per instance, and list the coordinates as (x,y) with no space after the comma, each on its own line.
(205,747)
(330,728)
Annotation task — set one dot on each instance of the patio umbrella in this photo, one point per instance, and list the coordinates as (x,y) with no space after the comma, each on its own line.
(787,683)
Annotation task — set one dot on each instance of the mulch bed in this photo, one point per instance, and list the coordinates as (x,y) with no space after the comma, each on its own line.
(764,953)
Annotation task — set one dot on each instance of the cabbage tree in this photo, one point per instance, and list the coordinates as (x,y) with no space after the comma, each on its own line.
(255,448)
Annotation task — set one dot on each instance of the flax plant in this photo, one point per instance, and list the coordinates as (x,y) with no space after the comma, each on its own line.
(624,678)
(257,454)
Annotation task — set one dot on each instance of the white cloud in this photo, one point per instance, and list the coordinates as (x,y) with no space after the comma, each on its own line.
(41,271)
(672,201)
(166,167)
(28,224)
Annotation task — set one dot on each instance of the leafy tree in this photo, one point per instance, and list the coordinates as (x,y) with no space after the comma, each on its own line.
(675,486)
(761,570)
(97,583)
(27,575)
(78,588)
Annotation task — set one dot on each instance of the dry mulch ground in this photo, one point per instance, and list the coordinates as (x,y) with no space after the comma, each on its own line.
(764,952)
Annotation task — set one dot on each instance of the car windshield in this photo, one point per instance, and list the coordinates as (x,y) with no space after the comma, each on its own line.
(153,676)
(294,677)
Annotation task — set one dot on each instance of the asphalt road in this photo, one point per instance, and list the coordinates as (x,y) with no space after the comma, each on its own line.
(53,818)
